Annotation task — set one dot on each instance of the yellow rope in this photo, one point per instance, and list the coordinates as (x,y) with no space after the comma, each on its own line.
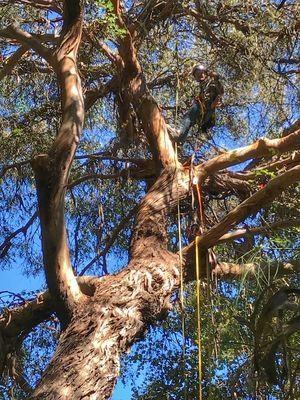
(179,233)
(181,287)
(198,316)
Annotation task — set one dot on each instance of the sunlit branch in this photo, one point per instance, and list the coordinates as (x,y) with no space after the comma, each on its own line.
(260,230)
(259,149)
(26,39)
(248,207)
(226,270)
(12,61)
(40,4)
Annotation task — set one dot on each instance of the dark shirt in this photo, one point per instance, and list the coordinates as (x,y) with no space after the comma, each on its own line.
(210,88)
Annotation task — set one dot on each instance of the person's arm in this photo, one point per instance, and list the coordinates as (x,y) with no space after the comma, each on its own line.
(220,91)
(217,102)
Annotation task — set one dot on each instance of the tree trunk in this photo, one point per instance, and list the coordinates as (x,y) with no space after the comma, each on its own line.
(87,360)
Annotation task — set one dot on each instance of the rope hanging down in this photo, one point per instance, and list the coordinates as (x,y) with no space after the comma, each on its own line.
(179,233)
(198,290)
(181,260)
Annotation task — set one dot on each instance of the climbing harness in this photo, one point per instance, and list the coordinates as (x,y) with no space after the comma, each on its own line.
(201,103)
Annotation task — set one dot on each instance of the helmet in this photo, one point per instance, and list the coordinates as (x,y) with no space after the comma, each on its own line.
(198,67)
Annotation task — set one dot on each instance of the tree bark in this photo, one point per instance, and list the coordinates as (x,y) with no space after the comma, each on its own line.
(87,361)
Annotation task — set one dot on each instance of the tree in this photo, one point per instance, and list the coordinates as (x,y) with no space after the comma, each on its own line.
(111,47)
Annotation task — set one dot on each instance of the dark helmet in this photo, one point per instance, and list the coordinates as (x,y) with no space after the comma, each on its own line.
(198,67)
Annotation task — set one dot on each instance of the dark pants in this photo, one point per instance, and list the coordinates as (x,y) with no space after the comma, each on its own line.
(205,118)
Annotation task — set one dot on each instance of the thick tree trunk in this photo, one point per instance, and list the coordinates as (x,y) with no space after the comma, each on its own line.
(87,360)
(123,306)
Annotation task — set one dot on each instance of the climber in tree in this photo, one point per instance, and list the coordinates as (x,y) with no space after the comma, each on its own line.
(203,110)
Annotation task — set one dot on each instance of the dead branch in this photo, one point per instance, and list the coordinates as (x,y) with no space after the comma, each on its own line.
(4,247)
(110,240)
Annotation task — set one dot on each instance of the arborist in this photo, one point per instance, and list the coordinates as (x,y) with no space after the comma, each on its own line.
(203,109)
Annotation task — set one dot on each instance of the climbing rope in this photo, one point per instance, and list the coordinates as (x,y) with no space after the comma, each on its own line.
(198,282)
(198,290)
(183,328)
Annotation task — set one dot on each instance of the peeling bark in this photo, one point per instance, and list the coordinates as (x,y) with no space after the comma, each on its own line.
(52,169)
(87,361)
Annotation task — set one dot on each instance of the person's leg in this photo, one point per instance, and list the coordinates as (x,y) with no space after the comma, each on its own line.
(189,120)
(209,120)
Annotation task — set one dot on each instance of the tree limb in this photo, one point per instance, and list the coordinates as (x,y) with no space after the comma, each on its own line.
(248,207)
(41,4)
(52,169)
(12,61)
(236,271)
(261,148)
(28,40)
(4,247)
(260,230)
(110,240)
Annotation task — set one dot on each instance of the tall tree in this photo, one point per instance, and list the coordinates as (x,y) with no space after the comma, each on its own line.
(130,56)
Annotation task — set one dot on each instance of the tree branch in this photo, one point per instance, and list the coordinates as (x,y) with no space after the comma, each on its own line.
(259,149)
(251,205)
(104,48)
(110,240)
(4,247)
(93,95)
(27,40)
(225,270)
(12,61)
(52,169)
(244,210)
(260,230)
(135,173)
(17,165)
(20,320)
(41,4)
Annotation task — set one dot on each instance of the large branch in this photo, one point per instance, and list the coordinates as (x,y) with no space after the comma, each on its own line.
(52,169)
(249,207)
(225,270)
(261,148)
(12,61)
(27,40)
(260,230)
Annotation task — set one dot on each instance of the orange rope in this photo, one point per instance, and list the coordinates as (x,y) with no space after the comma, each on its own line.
(201,207)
